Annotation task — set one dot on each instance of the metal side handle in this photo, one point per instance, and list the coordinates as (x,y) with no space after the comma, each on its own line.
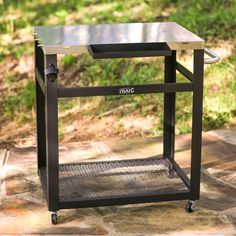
(214,58)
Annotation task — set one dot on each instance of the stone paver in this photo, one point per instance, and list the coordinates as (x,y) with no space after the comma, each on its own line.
(23,208)
(3,158)
(227,135)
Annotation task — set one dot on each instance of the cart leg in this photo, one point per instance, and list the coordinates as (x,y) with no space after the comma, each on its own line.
(196,125)
(52,136)
(40,109)
(169,108)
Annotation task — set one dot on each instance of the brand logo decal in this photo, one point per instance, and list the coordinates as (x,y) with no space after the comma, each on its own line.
(126,90)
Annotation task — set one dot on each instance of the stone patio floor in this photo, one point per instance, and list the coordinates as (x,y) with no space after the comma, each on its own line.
(23,208)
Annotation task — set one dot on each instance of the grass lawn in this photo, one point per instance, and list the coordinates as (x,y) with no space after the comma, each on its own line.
(213,20)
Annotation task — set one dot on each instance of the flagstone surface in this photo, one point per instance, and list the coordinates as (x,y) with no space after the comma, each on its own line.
(23,209)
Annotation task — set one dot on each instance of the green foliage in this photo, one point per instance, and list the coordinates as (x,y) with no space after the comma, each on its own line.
(10,78)
(117,71)
(21,50)
(20,103)
(215,120)
(67,103)
(68,60)
(210,19)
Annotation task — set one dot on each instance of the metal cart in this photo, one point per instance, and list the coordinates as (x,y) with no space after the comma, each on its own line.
(128,181)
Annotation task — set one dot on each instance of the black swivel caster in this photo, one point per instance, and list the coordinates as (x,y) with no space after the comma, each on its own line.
(54,218)
(191,206)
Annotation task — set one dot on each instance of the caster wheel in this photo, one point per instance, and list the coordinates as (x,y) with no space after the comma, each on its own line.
(54,218)
(191,206)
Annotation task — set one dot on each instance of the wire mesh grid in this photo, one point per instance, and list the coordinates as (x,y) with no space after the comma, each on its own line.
(117,178)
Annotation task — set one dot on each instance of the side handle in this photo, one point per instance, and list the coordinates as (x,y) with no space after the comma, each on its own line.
(214,58)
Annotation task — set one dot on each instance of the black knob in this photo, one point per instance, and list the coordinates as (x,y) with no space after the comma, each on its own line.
(51,72)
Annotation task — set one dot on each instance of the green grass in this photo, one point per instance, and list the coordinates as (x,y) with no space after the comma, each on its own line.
(220,94)
(210,19)
(10,78)
(68,61)
(17,105)
(67,103)
(118,71)
(213,20)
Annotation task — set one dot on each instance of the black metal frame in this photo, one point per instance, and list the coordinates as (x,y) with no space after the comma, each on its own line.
(48,92)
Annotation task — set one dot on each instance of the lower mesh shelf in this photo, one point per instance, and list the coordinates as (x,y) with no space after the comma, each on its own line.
(117,178)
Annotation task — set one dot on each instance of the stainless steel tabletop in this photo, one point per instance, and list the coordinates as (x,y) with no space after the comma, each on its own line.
(76,38)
